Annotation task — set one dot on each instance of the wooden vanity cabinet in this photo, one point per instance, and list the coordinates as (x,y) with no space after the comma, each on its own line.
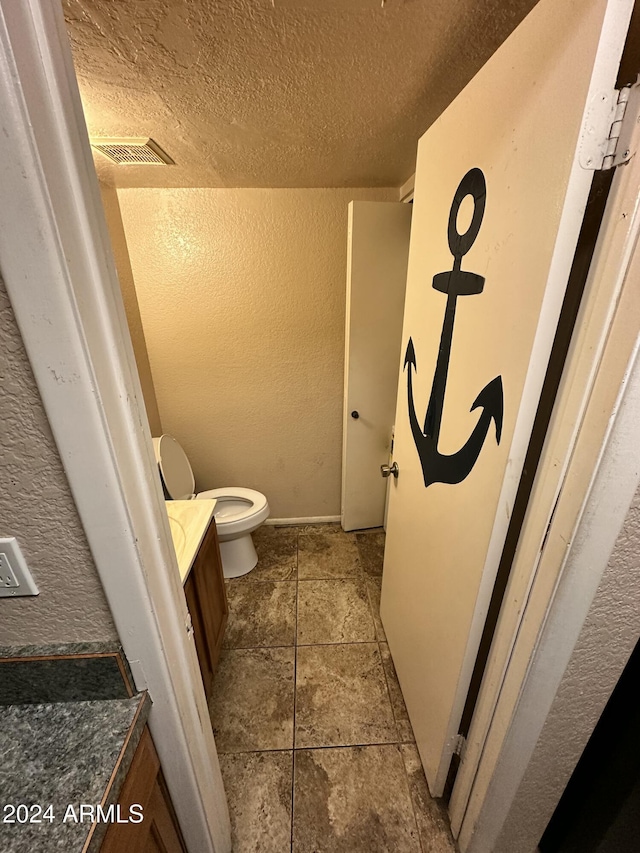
(207,602)
(144,785)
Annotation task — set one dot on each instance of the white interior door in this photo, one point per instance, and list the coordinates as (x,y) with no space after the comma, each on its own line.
(501,184)
(378,252)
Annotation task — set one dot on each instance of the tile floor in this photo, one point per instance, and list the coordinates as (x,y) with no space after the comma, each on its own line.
(315,744)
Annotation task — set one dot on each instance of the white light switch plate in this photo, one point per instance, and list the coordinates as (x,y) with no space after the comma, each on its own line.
(15,578)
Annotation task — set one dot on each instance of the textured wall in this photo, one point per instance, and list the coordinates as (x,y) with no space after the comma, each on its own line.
(242,297)
(606,641)
(131,307)
(36,506)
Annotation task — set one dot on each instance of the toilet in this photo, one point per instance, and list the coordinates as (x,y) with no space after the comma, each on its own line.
(238,511)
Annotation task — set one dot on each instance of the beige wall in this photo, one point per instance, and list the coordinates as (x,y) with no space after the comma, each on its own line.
(130,299)
(242,297)
(37,508)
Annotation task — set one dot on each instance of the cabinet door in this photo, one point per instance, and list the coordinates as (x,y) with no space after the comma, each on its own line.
(199,631)
(145,786)
(207,602)
(212,592)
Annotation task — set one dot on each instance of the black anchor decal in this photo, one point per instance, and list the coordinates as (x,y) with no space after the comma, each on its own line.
(438,467)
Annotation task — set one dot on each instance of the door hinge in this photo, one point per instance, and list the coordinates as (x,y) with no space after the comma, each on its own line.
(189,625)
(606,138)
(459,746)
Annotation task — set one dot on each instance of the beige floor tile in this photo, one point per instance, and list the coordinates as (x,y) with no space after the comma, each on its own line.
(342,697)
(260,614)
(371,550)
(374,588)
(353,800)
(431,815)
(367,792)
(327,555)
(258,788)
(277,549)
(252,702)
(334,611)
(405,732)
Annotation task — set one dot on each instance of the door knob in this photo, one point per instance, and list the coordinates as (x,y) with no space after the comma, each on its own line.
(355,415)
(388,470)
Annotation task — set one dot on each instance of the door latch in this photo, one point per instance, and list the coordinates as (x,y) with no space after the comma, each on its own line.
(388,470)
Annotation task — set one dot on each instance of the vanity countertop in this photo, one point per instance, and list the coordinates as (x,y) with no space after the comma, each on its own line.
(62,755)
(189,521)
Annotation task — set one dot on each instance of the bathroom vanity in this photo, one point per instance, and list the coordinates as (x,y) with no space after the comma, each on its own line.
(62,756)
(195,539)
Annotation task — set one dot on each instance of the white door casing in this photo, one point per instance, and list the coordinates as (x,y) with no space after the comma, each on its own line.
(519,121)
(378,252)
(59,273)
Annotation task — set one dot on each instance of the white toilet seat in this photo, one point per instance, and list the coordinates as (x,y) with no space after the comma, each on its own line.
(237,510)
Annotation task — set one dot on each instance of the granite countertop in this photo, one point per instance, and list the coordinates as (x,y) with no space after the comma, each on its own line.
(189,521)
(60,755)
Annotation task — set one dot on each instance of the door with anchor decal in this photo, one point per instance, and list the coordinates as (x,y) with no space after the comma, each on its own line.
(502,180)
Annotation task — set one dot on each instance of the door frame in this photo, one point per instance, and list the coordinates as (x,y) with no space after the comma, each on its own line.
(59,272)
(589,473)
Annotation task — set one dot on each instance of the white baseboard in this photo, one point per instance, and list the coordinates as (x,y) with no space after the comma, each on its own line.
(311,519)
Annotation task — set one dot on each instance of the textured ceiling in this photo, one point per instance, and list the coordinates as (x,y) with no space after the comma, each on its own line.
(277,93)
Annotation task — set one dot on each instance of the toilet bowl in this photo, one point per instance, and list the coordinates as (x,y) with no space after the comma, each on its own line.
(238,511)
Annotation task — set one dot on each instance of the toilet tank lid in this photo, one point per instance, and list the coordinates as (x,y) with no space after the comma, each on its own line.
(174,466)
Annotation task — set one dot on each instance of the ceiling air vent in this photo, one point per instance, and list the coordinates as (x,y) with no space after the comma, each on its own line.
(132,152)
